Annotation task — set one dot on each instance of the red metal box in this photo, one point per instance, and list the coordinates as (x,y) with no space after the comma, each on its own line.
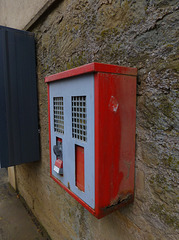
(92,109)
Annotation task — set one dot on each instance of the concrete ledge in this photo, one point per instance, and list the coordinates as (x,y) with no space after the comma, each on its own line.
(39,14)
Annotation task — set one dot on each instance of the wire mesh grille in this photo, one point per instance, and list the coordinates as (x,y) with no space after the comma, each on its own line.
(79,118)
(58,114)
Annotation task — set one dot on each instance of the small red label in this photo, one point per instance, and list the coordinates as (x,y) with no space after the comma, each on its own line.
(59,163)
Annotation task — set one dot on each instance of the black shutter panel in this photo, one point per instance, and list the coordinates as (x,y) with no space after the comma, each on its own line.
(19,138)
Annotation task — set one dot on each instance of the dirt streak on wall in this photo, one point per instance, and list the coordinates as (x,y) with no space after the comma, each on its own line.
(142,34)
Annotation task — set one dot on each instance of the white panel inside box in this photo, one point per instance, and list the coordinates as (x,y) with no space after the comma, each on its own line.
(75,97)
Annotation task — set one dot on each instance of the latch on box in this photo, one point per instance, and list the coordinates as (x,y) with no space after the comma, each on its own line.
(57,149)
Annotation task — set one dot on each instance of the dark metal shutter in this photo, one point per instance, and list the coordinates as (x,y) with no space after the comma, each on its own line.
(19,138)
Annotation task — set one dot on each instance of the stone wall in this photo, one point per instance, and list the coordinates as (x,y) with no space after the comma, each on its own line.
(140,34)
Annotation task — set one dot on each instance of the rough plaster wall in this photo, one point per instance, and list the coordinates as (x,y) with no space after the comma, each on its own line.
(17,13)
(140,34)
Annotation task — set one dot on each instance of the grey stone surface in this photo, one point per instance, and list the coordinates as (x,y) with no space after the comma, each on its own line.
(142,34)
(15,223)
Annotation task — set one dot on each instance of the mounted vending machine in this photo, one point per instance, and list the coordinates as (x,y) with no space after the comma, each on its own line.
(92,115)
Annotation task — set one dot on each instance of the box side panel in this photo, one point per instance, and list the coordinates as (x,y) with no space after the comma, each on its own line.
(115,117)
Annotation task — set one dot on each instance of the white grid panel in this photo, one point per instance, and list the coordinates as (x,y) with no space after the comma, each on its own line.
(58,113)
(79,118)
